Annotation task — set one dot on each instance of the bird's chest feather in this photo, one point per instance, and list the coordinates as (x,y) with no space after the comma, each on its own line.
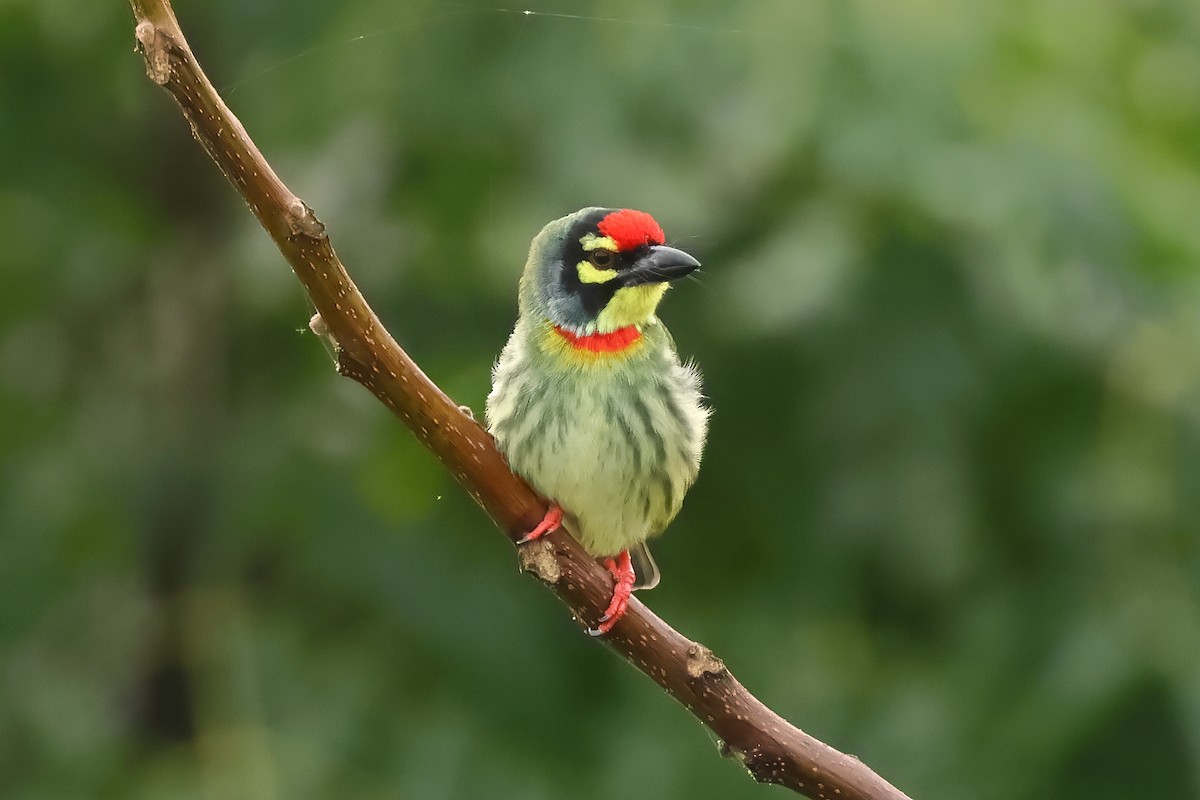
(616,447)
(605,451)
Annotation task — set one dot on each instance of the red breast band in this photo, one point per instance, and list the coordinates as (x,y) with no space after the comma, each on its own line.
(613,342)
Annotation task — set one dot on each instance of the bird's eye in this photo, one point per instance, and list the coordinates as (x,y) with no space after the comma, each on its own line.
(601,258)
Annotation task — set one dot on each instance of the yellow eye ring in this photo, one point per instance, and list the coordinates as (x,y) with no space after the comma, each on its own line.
(602,258)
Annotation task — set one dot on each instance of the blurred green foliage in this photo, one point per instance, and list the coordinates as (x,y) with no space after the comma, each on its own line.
(950,324)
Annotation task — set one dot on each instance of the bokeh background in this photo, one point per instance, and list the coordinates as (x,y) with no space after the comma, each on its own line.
(949,322)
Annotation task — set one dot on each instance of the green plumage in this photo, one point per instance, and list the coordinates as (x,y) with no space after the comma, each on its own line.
(614,438)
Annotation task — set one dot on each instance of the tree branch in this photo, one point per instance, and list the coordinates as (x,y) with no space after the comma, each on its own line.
(770,748)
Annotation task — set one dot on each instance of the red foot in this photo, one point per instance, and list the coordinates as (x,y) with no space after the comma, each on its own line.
(549,523)
(621,569)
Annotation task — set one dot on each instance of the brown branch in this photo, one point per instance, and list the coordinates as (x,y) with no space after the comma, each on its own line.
(771,749)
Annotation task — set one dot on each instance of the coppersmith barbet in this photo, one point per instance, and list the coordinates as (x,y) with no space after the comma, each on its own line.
(590,403)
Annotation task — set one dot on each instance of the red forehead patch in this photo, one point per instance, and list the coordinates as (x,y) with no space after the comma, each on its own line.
(631,229)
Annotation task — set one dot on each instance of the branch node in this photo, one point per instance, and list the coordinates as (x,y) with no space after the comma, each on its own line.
(350,367)
(156,51)
(302,221)
(538,557)
(770,769)
(761,769)
(701,663)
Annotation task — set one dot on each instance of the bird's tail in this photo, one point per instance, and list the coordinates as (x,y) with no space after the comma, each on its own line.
(644,567)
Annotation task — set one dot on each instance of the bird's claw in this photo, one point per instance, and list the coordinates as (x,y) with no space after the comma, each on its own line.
(621,568)
(549,524)
(603,626)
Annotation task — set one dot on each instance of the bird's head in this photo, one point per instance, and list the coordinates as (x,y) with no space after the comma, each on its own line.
(599,270)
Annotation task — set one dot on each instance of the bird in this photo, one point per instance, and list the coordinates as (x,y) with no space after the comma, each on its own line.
(590,403)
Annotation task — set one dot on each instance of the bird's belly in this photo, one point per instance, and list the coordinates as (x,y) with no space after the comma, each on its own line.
(618,465)
(588,467)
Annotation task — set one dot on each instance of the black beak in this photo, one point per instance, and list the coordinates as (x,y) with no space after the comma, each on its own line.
(659,265)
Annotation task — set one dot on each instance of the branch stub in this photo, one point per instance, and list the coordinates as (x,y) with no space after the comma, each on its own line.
(155,50)
(537,557)
(301,220)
